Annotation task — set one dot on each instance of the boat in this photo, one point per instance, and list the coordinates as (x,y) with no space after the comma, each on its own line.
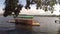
(24,20)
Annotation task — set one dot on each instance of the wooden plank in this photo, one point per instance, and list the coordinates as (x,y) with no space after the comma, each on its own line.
(35,24)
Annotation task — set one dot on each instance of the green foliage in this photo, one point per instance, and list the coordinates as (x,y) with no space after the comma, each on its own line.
(38,3)
(46,3)
(17,11)
(11,5)
(27,4)
(45,8)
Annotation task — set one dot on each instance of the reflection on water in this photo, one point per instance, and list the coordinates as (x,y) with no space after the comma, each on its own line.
(58,32)
(20,29)
(47,26)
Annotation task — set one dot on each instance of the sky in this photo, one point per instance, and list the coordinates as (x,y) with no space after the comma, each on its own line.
(33,8)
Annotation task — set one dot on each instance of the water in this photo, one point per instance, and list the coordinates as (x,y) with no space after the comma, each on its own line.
(47,26)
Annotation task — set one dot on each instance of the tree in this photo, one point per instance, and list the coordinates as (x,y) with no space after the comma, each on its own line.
(11,5)
(27,4)
(43,4)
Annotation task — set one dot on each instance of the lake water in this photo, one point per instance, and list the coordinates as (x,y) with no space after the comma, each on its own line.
(47,26)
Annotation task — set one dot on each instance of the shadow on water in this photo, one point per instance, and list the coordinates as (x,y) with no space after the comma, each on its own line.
(20,29)
(58,32)
(16,31)
(23,29)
